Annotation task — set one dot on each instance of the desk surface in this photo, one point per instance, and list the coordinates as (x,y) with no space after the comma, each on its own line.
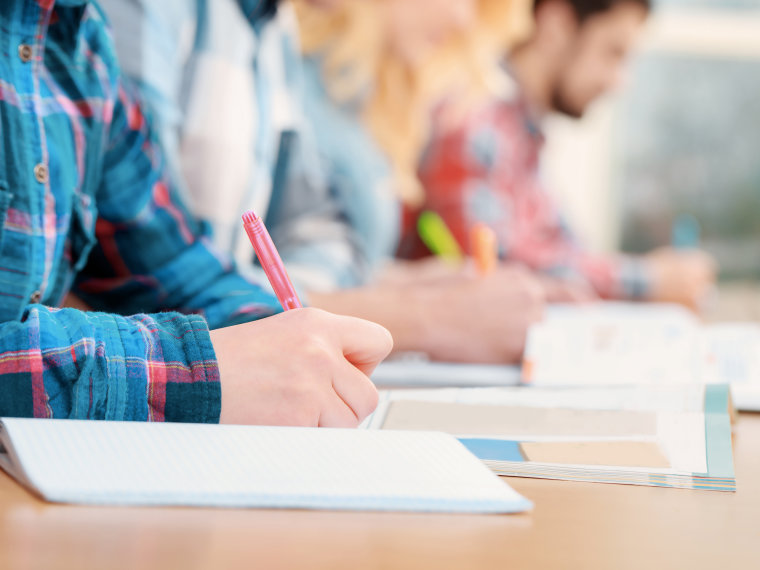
(574,525)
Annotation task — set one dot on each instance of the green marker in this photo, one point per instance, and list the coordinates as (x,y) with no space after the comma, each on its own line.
(438,238)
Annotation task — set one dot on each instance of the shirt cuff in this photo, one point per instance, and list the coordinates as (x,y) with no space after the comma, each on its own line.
(170,359)
(634,279)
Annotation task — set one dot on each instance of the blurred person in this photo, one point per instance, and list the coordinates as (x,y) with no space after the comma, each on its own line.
(486,169)
(88,203)
(224,81)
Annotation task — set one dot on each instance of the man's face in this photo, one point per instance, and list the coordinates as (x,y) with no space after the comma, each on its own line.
(595,63)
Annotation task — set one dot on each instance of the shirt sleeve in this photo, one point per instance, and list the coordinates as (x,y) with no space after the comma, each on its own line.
(618,276)
(87,365)
(150,254)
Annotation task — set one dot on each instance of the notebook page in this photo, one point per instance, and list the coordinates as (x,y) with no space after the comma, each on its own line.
(243,466)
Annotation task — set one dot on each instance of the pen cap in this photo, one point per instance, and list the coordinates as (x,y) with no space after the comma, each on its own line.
(484,248)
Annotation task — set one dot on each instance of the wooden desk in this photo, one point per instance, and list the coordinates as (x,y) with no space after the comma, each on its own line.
(574,525)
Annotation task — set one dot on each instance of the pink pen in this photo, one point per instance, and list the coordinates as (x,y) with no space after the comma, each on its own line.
(270,260)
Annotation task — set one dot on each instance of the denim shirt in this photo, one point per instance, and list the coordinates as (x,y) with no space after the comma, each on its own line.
(358,170)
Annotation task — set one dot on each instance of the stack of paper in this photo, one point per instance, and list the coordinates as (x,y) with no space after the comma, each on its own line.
(671,436)
(243,466)
(617,343)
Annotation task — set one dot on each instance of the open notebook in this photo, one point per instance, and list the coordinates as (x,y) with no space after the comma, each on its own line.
(670,436)
(121,463)
(620,343)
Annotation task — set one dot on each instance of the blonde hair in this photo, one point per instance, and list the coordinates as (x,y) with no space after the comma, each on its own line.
(396,99)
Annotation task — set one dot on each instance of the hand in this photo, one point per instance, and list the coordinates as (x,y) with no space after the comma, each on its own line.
(481,319)
(681,276)
(304,367)
(567,290)
(460,317)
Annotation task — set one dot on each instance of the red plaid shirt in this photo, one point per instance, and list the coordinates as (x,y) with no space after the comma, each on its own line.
(487,171)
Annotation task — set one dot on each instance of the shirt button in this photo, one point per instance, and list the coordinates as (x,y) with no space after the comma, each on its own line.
(36,297)
(41,173)
(25,53)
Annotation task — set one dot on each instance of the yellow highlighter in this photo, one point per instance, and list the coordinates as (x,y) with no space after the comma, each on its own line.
(484,248)
(438,238)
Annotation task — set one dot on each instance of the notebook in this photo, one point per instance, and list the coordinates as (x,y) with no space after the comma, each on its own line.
(130,463)
(626,343)
(668,436)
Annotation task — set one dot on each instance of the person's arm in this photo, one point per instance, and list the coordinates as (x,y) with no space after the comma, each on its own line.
(454,317)
(664,275)
(149,253)
(144,252)
(305,367)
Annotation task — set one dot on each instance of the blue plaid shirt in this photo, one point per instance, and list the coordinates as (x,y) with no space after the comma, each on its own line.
(86,203)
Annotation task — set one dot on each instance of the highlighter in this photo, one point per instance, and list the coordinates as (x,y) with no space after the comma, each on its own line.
(438,238)
(484,248)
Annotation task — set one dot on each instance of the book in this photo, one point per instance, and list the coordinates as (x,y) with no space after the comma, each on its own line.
(669,436)
(131,463)
(628,343)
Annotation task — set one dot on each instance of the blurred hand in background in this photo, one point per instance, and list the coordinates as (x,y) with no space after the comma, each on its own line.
(681,276)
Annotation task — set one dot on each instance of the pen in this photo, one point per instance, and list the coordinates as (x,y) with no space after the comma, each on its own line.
(484,248)
(270,260)
(438,238)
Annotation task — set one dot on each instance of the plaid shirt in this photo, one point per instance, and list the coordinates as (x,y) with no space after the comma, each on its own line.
(488,171)
(86,203)
(225,88)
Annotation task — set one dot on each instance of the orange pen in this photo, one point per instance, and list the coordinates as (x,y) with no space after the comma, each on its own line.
(484,248)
